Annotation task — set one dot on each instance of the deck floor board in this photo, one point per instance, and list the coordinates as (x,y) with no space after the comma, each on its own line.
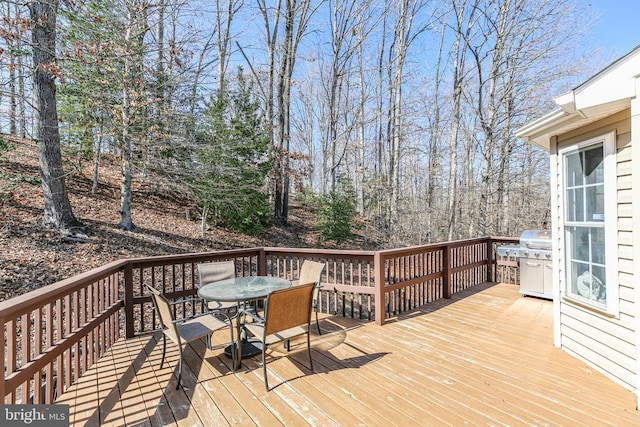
(485,357)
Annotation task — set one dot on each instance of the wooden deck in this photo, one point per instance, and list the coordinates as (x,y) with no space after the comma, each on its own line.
(481,358)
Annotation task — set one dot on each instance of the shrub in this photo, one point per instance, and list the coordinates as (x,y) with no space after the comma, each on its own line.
(338,212)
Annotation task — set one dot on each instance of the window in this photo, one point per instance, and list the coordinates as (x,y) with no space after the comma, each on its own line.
(590,212)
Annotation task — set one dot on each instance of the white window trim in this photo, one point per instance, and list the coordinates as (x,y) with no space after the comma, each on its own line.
(608,142)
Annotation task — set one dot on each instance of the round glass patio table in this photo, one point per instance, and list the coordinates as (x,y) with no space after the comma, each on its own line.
(243,289)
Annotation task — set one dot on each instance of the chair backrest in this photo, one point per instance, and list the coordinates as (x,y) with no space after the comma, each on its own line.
(288,308)
(209,272)
(310,272)
(164,311)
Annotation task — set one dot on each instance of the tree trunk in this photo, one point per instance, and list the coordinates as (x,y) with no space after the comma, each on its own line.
(126,220)
(380,132)
(458,66)
(361,173)
(460,54)
(203,221)
(13,105)
(161,77)
(432,173)
(96,158)
(57,209)
(271,33)
(224,18)
(282,122)
(128,93)
(193,97)
(22,97)
(21,83)
(296,18)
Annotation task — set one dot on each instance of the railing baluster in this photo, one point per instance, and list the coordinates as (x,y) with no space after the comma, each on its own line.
(10,338)
(37,350)
(51,325)
(25,327)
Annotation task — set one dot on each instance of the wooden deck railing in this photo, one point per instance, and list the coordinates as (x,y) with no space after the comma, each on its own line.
(54,334)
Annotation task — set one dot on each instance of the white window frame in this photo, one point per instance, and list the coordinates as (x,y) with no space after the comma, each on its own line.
(608,142)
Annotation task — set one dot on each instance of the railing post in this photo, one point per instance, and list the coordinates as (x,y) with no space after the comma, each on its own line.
(128,300)
(446,274)
(262,263)
(490,274)
(379,279)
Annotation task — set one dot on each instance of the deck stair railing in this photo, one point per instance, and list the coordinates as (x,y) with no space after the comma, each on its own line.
(54,334)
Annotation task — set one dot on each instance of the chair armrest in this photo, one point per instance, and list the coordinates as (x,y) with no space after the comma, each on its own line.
(256,318)
(185,300)
(228,319)
(296,282)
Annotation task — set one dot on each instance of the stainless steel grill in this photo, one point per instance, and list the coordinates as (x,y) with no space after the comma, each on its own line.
(534,258)
(535,264)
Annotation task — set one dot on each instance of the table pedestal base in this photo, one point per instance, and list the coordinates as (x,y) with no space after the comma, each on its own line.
(250,347)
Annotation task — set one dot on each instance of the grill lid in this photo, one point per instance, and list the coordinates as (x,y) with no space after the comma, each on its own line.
(536,239)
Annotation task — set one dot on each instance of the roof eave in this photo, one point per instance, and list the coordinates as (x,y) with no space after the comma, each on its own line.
(537,133)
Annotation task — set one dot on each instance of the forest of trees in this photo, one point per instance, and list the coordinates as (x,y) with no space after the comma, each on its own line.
(406,109)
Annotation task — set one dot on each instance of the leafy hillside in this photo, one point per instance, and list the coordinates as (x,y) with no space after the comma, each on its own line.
(33,256)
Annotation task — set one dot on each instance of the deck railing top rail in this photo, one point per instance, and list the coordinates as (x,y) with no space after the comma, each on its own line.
(16,306)
(193,257)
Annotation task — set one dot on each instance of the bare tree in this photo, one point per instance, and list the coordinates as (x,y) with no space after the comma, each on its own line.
(13,28)
(12,48)
(465,16)
(435,133)
(295,15)
(131,86)
(161,7)
(201,65)
(224,19)
(57,209)
(350,24)
(22,99)
(512,42)
(402,16)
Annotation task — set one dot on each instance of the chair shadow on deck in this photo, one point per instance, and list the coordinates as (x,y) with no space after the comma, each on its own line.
(334,334)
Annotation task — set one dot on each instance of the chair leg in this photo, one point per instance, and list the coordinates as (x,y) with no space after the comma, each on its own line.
(309,350)
(237,360)
(264,366)
(318,323)
(164,349)
(233,351)
(179,369)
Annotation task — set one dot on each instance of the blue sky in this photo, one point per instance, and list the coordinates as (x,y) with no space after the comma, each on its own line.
(616,30)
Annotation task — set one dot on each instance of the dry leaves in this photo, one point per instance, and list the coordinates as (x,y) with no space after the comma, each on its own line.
(32,256)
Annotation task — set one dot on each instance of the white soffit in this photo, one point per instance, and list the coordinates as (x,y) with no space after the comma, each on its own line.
(560,121)
(602,95)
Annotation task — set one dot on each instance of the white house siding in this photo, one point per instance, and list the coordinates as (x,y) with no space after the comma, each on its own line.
(604,342)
